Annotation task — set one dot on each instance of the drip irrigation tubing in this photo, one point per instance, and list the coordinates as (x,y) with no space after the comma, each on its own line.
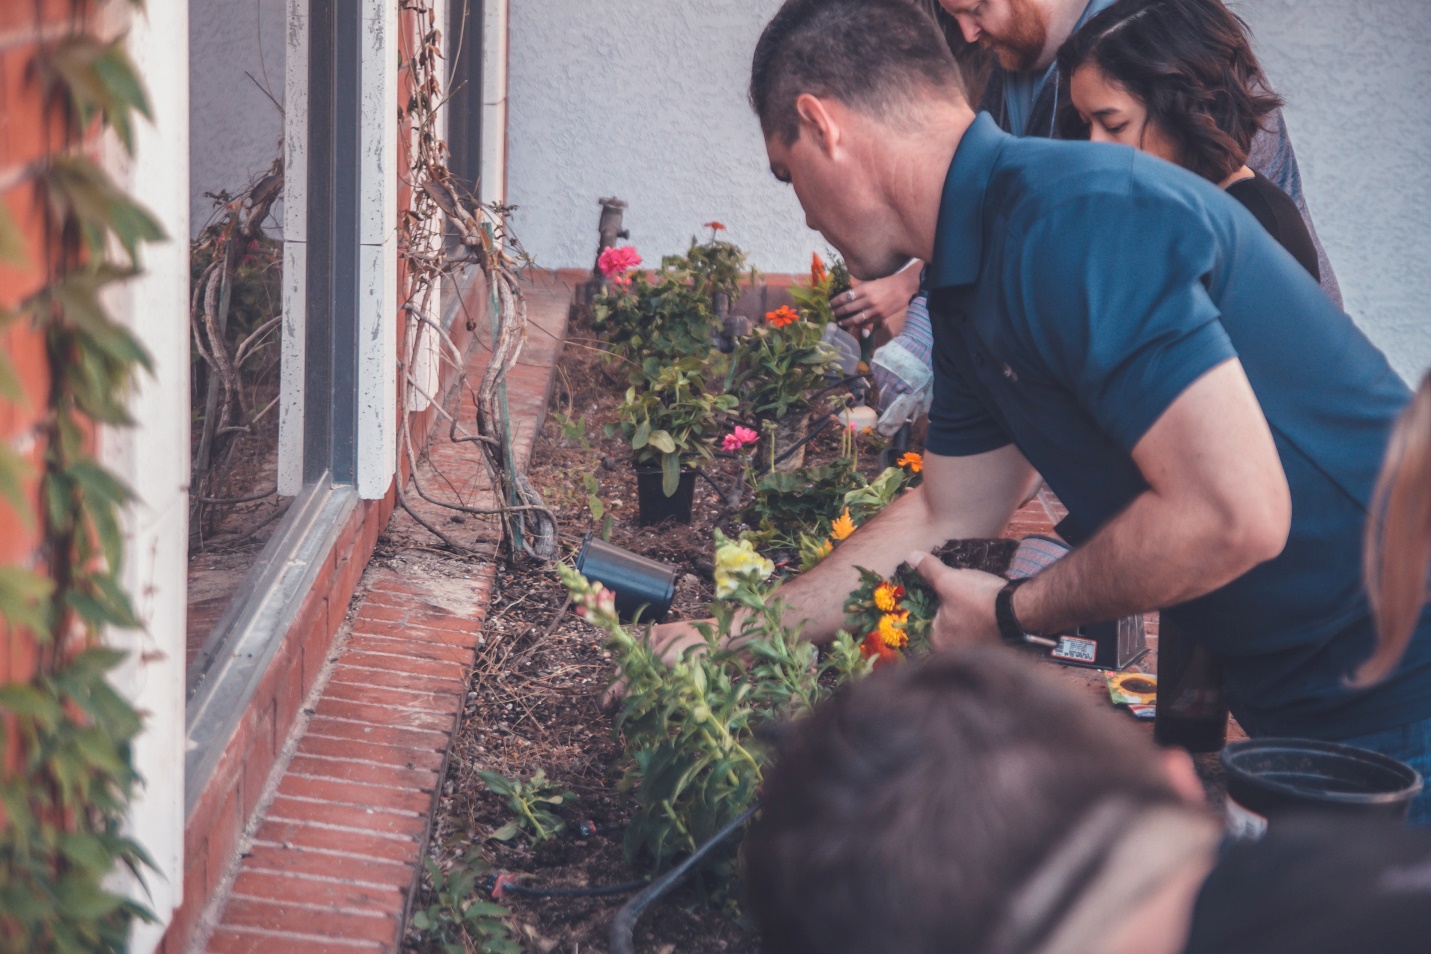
(624,927)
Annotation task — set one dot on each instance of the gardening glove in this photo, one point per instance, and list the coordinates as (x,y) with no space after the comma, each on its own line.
(902,370)
(847,360)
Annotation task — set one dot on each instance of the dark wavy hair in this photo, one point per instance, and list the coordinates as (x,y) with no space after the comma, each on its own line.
(1191,63)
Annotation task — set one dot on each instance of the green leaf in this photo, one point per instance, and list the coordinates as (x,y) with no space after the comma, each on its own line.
(670,474)
(497,783)
(642,435)
(663,442)
(506,833)
(12,243)
(598,509)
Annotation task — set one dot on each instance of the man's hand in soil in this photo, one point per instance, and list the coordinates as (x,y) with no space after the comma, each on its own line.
(966,602)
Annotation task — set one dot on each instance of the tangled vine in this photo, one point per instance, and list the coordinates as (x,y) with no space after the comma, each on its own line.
(447,230)
(66,768)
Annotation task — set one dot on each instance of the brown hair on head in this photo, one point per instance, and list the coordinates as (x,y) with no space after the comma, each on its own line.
(1190,62)
(1398,537)
(902,814)
(883,57)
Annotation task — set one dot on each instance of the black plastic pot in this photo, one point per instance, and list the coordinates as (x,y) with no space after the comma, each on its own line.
(641,585)
(655,505)
(1272,777)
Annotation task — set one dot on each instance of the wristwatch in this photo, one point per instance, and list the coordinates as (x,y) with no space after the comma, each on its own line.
(1010,630)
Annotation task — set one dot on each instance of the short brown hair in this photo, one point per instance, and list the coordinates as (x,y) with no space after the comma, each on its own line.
(880,56)
(901,815)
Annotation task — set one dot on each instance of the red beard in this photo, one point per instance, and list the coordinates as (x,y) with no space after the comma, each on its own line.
(1021,47)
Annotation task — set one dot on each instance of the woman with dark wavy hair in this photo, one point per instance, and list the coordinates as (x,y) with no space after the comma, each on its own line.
(1178,79)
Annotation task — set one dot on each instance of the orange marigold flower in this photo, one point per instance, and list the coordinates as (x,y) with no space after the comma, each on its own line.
(915,462)
(715,226)
(887,596)
(891,630)
(843,526)
(875,648)
(817,269)
(782,316)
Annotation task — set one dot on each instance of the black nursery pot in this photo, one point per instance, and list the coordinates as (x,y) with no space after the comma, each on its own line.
(1273,777)
(640,585)
(655,505)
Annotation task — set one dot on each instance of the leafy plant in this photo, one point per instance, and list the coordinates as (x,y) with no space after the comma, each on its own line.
(711,266)
(674,415)
(67,749)
(690,728)
(813,300)
(667,320)
(775,369)
(457,920)
(535,804)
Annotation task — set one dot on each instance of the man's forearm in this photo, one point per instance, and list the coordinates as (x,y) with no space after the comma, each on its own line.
(1152,555)
(817,596)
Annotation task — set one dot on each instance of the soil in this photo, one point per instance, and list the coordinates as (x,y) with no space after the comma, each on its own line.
(534,699)
(535,693)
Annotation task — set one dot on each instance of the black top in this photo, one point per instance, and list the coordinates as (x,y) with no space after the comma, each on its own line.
(1331,885)
(1279,216)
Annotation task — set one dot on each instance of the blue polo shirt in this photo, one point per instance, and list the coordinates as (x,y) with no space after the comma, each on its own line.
(1076,290)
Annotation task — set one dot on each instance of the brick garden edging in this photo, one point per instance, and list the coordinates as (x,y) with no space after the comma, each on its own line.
(331,853)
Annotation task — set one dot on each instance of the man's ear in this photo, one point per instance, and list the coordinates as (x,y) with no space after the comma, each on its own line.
(818,122)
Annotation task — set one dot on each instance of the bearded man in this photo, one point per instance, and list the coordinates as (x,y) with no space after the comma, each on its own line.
(1025,92)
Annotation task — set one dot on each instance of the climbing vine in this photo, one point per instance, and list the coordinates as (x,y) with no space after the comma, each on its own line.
(66,768)
(445,230)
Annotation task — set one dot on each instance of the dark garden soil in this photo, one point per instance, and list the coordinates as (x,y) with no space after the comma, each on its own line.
(534,696)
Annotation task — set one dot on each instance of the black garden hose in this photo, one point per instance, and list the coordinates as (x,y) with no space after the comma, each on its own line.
(624,927)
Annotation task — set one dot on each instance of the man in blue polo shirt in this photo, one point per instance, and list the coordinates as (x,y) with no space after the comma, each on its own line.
(1109,321)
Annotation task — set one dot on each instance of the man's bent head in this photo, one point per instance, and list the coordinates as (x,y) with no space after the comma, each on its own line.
(934,807)
(842,88)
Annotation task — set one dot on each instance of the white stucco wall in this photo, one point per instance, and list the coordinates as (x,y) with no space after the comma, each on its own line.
(647,102)
(235,128)
(1356,78)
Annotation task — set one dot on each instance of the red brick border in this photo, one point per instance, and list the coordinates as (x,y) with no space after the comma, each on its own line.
(332,858)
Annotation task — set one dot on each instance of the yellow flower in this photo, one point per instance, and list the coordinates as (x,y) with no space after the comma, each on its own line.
(887,596)
(737,563)
(915,462)
(891,630)
(843,526)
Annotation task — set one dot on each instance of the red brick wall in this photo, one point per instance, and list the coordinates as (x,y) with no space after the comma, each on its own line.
(28,132)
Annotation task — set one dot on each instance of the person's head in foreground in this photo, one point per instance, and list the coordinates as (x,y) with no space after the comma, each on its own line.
(859,100)
(1174,78)
(965,804)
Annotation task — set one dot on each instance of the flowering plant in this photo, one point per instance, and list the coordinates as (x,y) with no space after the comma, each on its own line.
(616,260)
(712,266)
(671,415)
(736,562)
(775,368)
(893,614)
(689,728)
(813,300)
(738,438)
(666,319)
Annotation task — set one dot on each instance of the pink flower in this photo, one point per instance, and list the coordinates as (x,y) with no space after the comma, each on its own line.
(738,438)
(618,260)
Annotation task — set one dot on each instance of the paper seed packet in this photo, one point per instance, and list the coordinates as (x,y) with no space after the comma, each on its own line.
(1132,689)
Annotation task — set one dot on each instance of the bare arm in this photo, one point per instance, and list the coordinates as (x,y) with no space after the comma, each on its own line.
(1216,506)
(960,497)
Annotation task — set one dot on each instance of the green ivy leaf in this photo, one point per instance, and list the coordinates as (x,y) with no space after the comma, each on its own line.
(12,243)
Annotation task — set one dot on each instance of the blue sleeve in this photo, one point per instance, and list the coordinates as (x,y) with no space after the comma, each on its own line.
(959,423)
(1111,300)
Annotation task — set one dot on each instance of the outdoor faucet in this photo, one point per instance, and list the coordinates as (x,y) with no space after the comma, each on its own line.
(609,229)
